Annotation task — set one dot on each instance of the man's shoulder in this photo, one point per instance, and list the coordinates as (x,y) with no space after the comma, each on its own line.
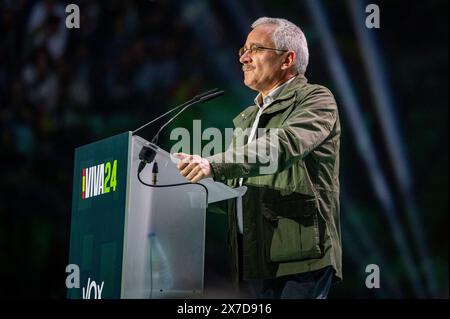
(304,90)
(314,92)
(310,89)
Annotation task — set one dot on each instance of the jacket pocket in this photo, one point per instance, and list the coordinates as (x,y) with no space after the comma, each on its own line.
(292,239)
(294,205)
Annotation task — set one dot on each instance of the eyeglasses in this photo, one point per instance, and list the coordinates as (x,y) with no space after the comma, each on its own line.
(255,48)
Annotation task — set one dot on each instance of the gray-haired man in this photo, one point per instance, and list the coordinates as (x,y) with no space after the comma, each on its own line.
(289,243)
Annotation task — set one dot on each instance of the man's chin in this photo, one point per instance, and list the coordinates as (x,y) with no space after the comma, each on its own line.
(251,85)
(248,81)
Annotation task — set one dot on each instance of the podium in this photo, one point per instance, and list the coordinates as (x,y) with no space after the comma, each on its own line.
(134,241)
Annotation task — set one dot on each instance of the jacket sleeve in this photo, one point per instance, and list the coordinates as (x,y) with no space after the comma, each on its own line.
(309,124)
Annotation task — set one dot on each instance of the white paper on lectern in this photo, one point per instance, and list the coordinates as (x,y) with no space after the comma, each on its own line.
(216,191)
(219,191)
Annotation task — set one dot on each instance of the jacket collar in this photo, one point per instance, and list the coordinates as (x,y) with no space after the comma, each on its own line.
(283,100)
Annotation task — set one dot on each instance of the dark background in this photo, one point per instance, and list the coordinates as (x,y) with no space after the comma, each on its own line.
(132,60)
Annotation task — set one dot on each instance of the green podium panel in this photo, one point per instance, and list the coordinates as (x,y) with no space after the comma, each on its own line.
(98,206)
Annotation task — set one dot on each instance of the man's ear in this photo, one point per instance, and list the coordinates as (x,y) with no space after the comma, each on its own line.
(288,61)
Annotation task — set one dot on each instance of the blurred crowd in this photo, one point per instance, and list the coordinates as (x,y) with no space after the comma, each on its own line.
(61,88)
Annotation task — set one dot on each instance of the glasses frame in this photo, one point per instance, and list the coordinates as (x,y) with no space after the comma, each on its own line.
(255,48)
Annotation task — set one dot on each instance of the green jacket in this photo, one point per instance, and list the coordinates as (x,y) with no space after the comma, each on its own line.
(290,216)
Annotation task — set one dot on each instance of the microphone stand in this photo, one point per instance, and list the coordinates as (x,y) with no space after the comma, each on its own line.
(200,99)
(195,98)
(147,155)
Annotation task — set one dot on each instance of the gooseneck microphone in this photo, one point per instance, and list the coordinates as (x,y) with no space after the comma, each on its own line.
(147,154)
(195,98)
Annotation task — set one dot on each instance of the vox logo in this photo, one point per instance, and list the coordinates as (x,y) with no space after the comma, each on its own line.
(99,179)
(91,288)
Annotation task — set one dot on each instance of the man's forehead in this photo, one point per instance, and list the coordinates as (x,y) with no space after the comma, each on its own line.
(261,34)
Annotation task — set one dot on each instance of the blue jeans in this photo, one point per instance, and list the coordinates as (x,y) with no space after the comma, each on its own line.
(309,285)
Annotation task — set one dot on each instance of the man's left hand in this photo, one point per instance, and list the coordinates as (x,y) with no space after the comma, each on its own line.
(193,167)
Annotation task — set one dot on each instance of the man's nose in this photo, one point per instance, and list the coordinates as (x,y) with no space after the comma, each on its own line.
(245,58)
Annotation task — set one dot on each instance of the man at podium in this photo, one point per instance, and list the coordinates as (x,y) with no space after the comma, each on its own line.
(287,241)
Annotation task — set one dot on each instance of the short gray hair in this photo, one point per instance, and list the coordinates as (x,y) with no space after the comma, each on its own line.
(287,36)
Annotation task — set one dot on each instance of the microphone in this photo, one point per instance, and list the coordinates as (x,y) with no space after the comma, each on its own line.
(195,98)
(147,155)
(198,99)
